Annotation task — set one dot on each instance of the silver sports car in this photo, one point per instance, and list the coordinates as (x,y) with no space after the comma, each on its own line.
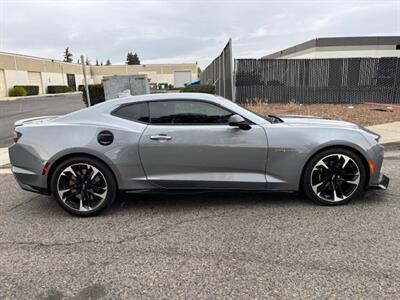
(190,142)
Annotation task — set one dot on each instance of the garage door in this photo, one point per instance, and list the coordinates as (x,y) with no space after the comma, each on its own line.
(3,90)
(182,77)
(35,78)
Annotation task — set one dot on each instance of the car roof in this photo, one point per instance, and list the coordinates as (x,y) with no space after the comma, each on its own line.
(166,96)
(109,105)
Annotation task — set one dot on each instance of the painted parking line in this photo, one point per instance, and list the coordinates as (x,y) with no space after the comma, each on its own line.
(4,159)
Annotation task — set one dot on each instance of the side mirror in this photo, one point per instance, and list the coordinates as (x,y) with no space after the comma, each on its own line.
(238,121)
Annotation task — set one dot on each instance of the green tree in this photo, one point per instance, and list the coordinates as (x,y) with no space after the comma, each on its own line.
(132,59)
(199,72)
(97,62)
(101,63)
(87,62)
(108,62)
(67,55)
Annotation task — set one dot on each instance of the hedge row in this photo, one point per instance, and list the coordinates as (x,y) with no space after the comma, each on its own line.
(96,92)
(57,89)
(17,91)
(30,89)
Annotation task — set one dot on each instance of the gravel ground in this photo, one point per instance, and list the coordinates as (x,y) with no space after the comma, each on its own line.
(236,245)
(362,114)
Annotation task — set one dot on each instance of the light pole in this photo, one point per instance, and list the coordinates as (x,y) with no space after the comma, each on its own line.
(85,80)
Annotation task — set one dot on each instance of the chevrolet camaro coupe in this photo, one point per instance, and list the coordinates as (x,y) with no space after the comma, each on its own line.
(190,142)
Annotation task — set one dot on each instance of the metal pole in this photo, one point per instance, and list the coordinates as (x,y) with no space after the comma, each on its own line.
(232,70)
(85,81)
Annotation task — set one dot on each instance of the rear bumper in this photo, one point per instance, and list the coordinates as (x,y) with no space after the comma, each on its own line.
(382,184)
(28,180)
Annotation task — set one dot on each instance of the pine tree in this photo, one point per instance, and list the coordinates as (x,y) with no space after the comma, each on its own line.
(87,62)
(108,62)
(97,62)
(132,59)
(136,60)
(101,63)
(67,55)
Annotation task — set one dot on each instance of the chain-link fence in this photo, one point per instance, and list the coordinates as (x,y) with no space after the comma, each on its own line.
(342,80)
(220,73)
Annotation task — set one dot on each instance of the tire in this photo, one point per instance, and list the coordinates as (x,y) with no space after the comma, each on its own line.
(334,177)
(83,186)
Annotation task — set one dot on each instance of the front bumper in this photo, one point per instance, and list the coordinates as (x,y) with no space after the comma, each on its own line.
(382,184)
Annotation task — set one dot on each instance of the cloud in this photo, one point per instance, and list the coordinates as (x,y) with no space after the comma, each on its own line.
(183,31)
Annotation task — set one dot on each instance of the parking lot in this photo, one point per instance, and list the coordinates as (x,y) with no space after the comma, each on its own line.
(11,111)
(206,245)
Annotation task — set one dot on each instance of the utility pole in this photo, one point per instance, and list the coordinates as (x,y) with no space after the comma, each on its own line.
(85,80)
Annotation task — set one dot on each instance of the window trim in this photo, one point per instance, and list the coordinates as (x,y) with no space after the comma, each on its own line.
(195,124)
(114,111)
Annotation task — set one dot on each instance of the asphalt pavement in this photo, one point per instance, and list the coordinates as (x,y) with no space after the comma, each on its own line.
(209,246)
(206,245)
(11,111)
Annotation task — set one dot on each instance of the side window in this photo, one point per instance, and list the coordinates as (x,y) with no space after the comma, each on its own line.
(187,112)
(134,112)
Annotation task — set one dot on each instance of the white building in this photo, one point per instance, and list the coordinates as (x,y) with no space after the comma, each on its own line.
(342,47)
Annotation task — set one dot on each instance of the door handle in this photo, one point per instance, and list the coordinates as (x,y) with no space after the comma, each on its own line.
(160,137)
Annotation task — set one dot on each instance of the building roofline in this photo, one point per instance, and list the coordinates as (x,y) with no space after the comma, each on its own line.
(74,63)
(337,41)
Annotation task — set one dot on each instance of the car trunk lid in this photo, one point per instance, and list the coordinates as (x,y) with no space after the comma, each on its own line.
(34,121)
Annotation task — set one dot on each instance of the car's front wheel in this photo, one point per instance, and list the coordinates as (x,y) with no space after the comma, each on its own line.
(83,186)
(334,176)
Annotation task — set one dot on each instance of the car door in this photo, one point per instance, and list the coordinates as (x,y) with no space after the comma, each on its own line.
(190,144)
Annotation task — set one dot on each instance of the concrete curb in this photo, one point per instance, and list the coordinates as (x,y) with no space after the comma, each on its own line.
(389,132)
(4,158)
(38,96)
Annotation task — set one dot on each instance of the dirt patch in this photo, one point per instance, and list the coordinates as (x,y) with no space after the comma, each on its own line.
(362,114)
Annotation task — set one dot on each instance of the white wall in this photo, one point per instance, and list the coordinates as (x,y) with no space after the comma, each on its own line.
(14,77)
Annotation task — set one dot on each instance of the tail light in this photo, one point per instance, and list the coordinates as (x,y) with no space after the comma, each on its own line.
(17,136)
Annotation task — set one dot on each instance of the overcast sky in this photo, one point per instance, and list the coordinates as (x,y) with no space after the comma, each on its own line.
(183,31)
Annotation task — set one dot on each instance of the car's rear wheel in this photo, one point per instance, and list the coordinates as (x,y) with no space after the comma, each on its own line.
(334,176)
(83,186)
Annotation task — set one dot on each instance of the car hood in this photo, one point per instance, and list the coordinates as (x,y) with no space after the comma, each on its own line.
(299,120)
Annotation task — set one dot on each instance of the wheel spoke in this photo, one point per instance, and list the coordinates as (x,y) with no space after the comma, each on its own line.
(69,169)
(95,172)
(335,196)
(101,195)
(322,163)
(62,192)
(81,207)
(346,160)
(355,181)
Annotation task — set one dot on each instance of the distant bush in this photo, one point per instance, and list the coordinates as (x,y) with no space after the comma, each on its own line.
(201,88)
(17,91)
(57,89)
(96,92)
(30,89)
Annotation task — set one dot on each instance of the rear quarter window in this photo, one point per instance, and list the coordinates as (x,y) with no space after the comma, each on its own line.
(138,112)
